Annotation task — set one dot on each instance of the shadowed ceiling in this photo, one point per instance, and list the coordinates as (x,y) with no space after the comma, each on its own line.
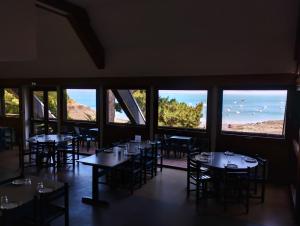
(143,38)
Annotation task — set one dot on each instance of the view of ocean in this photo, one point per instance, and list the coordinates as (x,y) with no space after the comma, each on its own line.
(238,106)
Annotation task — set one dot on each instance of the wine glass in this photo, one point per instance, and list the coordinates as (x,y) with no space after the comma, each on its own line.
(40,186)
(27,181)
(3,201)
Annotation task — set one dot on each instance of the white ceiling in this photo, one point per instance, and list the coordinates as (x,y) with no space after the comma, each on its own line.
(170,37)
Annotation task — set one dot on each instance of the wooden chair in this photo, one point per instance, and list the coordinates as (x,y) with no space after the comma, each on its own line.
(148,161)
(47,208)
(197,176)
(132,172)
(258,179)
(68,152)
(236,186)
(30,155)
(46,154)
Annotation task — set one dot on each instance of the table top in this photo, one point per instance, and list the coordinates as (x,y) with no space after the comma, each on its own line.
(220,160)
(115,156)
(22,194)
(108,158)
(58,138)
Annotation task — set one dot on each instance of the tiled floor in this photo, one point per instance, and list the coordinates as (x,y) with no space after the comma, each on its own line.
(163,202)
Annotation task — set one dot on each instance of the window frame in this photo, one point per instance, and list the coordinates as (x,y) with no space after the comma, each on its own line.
(64,113)
(252,134)
(107,122)
(46,121)
(130,125)
(183,129)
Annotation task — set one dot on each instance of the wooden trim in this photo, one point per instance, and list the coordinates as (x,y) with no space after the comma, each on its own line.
(297,44)
(79,20)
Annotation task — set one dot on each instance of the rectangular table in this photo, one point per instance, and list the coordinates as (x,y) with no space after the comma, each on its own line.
(107,160)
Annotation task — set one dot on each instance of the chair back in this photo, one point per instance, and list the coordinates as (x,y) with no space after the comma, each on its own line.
(193,165)
(148,154)
(47,201)
(201,144)
(46,147)
(262,170)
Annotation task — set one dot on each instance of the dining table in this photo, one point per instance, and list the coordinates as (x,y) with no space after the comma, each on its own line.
(221,160)
(57,138)
(20,194)
(60,141)
(106,160)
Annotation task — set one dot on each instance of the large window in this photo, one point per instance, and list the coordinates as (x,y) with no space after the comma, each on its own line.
(11,101)
(182,108)
(44,111)
(81,104)
(254,111)
(126,106)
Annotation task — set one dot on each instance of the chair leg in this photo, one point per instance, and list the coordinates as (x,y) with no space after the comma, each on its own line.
(188,186)
(145,175)
(197,190)
(263,187)
(131,183)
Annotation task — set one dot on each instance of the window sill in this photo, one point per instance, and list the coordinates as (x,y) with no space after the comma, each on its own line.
(250,136)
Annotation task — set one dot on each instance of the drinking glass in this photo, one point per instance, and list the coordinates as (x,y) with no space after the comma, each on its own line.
(27,181)
(4,201)
(40,187)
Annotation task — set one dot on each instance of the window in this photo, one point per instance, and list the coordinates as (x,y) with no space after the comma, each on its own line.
(44,111)
(182,108)
(11,101)
(126,106)
(254,111)
(52,105)
(81,104)
(38,105)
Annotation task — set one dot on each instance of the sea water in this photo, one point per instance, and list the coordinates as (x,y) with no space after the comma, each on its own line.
(238,107)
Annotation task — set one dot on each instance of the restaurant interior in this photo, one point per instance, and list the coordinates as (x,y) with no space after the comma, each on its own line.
(149,113)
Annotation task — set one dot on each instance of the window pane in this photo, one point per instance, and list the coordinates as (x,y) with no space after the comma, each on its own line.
(127,106)
(254,111)
(81,104)
(38,104)
(182,108)
(11,99)
(52,105)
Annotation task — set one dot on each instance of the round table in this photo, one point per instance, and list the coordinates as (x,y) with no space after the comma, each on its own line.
(58,138)
(219,160)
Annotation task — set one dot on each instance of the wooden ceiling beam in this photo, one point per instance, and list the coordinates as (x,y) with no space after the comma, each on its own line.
(80,22)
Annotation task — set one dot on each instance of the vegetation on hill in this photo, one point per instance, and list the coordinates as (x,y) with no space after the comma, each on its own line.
(172,113)
(11,102)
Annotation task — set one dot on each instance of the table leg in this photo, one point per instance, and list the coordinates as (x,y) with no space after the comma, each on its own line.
(94,200)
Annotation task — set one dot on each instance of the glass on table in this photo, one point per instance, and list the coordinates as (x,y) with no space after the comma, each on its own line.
(40,186)
(27,181)
(3,201)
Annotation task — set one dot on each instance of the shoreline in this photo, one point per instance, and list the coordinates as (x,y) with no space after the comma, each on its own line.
(267,127)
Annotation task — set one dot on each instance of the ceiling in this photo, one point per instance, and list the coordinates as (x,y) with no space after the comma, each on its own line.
(153,38)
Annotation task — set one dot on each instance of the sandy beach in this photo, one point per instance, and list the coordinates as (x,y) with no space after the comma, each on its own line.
(267,127)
